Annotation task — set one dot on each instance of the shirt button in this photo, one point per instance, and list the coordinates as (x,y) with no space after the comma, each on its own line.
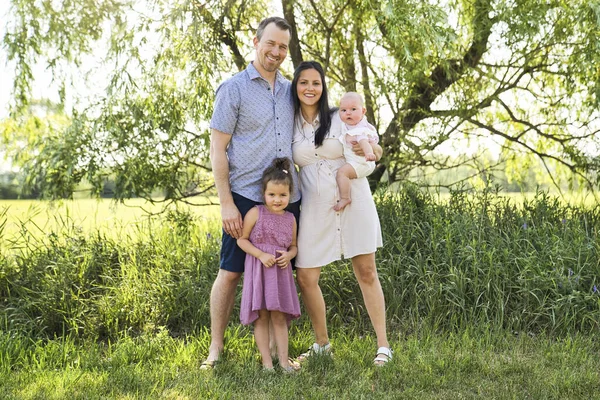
(279,134)
(279,149)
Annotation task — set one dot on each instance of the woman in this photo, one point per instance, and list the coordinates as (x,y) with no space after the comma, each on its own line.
(352,233)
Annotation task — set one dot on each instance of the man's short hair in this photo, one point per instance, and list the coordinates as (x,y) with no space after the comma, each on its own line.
(278,21)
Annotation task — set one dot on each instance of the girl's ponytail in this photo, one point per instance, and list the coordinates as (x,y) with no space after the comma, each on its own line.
(280,171)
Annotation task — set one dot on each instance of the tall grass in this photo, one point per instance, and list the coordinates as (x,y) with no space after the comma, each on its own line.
(474,260)
(483,259)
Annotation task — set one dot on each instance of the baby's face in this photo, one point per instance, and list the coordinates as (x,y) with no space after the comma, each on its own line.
(351,110)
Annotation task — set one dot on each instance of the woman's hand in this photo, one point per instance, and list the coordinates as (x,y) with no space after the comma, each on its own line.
(377,150)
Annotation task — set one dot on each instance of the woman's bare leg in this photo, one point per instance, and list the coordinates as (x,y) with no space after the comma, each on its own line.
(368,280)
(312,297)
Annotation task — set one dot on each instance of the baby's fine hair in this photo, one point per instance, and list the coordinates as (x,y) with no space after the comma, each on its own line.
(279,171)
(354,95)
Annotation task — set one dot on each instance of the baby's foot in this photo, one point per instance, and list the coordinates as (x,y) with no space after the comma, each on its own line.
(370,157)
(343,202)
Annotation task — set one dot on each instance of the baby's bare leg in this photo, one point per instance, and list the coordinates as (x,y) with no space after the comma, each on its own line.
(367,149)
(343,176)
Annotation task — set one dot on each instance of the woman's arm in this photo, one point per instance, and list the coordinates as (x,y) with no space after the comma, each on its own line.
(377,149)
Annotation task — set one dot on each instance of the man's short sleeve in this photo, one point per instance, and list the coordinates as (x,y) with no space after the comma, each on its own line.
(226,108)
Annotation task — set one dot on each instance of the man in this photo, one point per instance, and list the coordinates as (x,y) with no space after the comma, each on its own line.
(252,124)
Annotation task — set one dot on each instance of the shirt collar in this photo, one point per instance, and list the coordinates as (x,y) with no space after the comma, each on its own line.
(305,122)
(254,74)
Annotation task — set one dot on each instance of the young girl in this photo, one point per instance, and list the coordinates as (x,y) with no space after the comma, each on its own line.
(269,239)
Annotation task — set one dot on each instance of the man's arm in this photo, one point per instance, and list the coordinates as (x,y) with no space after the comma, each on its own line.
(230,215)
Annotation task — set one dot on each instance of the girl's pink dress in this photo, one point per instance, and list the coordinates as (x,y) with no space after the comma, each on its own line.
(271,288)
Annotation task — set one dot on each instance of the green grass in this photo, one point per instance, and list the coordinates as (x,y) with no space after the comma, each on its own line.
(89,215)
(486,297)
(457,366)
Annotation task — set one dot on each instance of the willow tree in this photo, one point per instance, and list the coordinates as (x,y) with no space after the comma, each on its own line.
(522,75)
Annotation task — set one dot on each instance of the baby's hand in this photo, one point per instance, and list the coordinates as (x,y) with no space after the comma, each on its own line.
(371,157)
(284,259)
(267,259)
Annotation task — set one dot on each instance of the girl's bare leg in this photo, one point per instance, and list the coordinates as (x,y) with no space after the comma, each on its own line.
(280,329)
(261,336)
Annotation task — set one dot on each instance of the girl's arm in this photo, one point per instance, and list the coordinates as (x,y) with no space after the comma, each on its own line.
(286,256)
(249,221)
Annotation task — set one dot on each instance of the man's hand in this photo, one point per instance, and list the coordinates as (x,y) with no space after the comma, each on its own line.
(231,220)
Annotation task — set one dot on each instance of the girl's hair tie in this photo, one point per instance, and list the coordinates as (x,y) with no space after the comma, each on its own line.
(285,171)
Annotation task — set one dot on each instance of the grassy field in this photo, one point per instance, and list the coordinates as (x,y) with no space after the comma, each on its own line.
(485,298)
(117,218)
(41,217)
(455,366)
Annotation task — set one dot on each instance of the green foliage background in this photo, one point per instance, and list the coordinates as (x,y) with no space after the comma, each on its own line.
(478,261)
(486,84)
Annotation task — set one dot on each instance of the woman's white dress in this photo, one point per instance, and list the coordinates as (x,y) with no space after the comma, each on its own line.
(326,235)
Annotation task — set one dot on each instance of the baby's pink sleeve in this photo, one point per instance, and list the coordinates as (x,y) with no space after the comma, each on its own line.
(358,138)
(372,135)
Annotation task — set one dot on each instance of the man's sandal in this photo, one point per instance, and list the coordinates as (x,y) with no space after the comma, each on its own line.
(315,349)
(384,355)
(208,365)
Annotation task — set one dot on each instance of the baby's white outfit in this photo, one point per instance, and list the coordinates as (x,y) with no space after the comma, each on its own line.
(360,131)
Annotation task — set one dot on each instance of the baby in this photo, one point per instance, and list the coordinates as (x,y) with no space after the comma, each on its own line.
(355,129)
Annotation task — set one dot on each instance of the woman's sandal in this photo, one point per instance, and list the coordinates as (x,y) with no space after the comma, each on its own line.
(383,356)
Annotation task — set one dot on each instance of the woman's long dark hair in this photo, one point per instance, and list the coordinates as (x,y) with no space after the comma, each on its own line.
(324,110)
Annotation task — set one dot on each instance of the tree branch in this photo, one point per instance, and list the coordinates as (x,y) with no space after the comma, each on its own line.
(295,49)
(227,37)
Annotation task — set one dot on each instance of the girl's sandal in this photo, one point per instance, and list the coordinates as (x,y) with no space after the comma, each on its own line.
(295,365)
(383,356)
(290,369)
(315,349)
